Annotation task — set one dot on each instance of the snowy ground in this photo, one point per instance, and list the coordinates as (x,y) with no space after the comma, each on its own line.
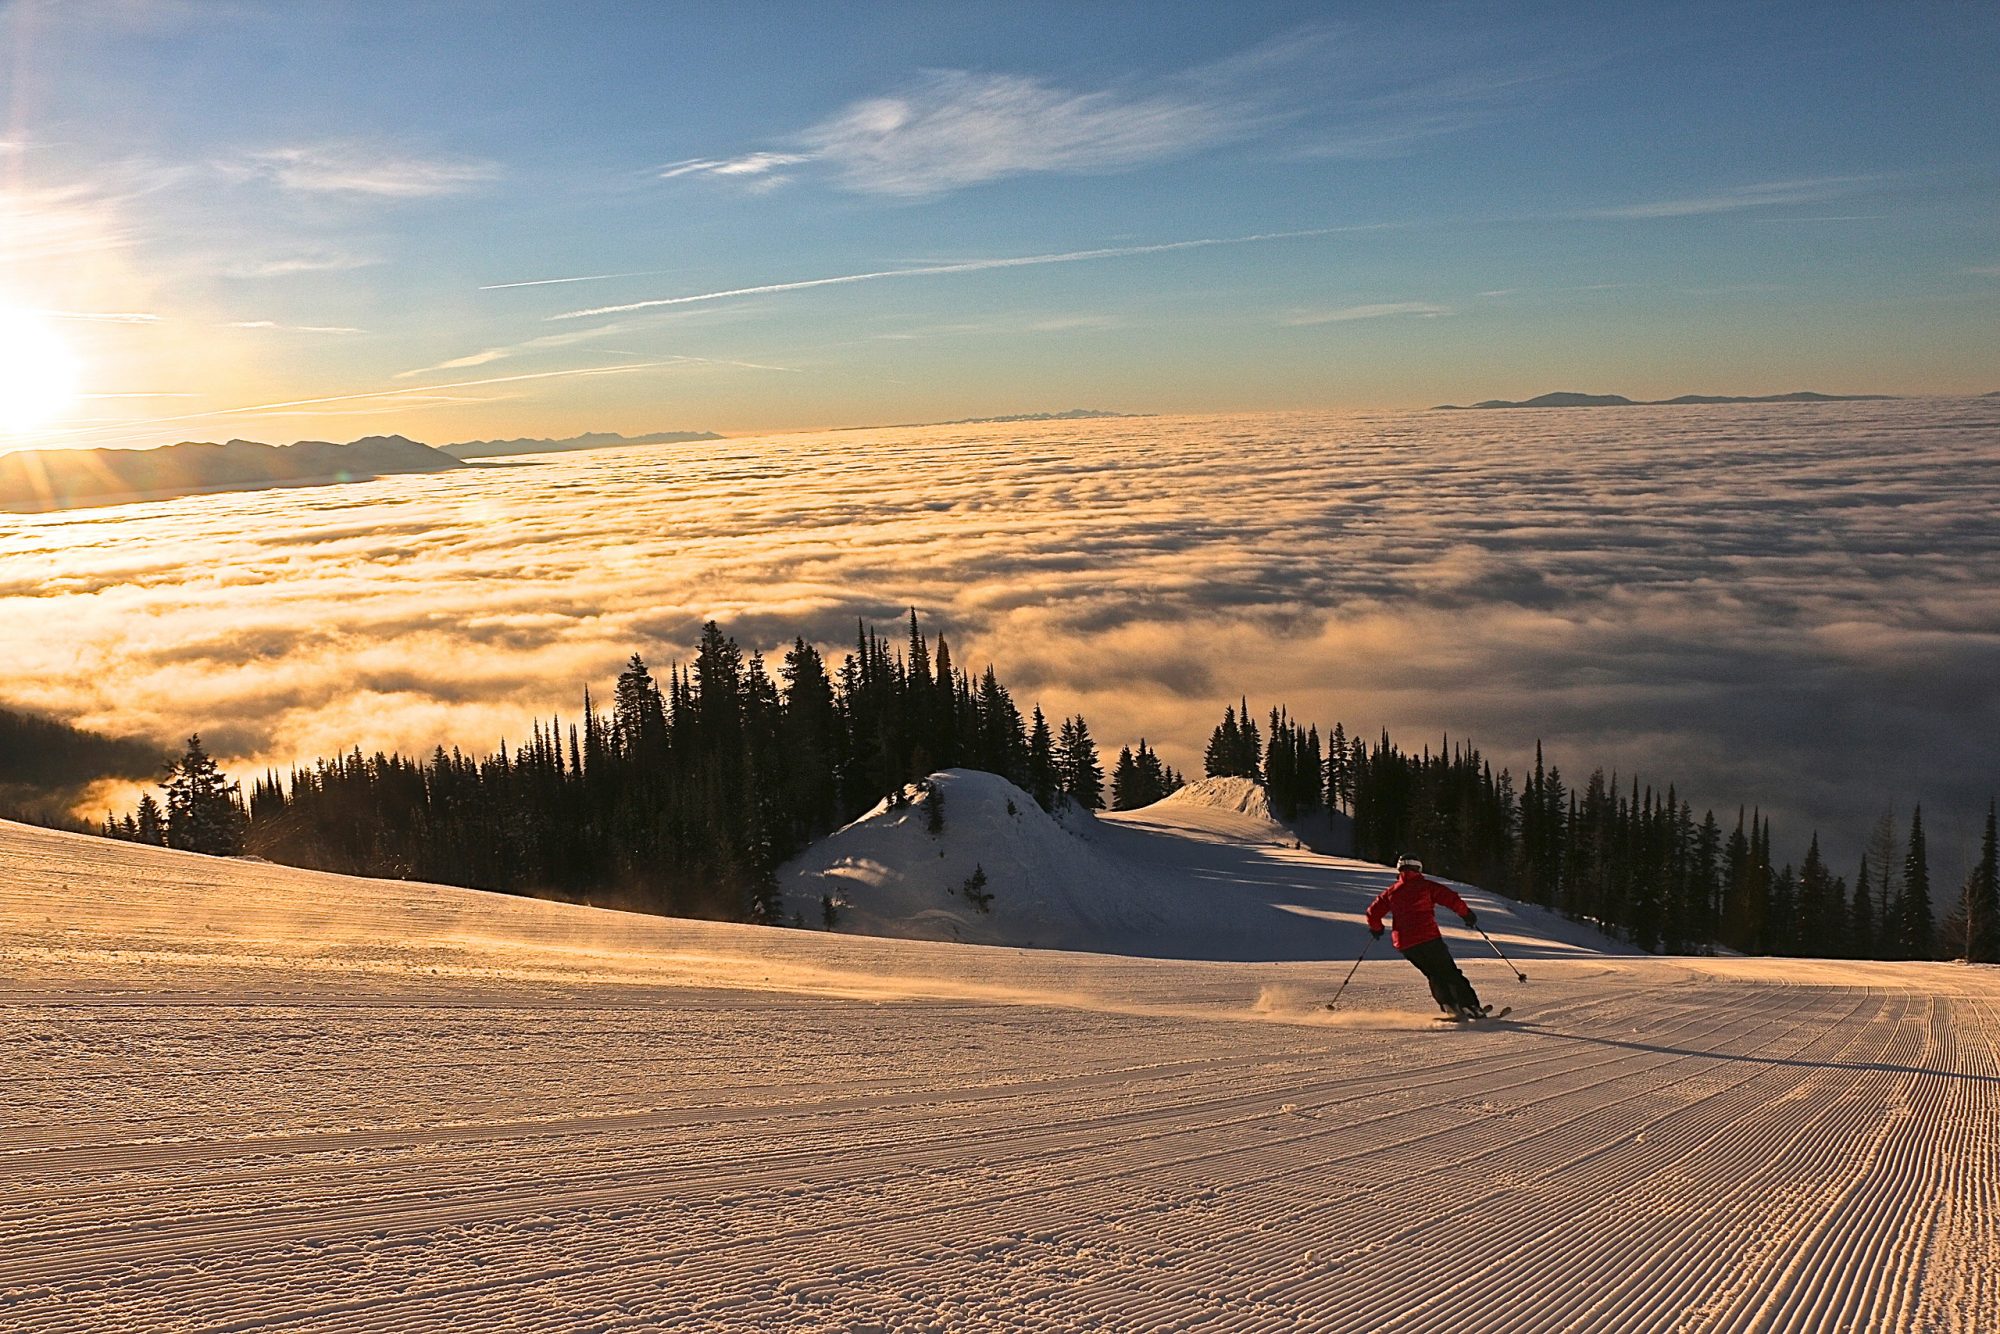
(245,1097)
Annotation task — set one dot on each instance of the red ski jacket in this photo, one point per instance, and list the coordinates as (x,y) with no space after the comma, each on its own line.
(1413,901)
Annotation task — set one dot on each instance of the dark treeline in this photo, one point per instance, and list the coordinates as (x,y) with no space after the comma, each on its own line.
(683,798)
(46,766)
(1634,860)
(686,796)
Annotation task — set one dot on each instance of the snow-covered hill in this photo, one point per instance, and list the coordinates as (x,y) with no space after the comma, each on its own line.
(243,1097)
(1208,873)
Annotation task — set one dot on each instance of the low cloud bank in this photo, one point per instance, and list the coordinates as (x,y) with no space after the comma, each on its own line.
(1797,606)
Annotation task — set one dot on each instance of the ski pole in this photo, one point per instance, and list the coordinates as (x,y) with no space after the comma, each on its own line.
(1519,976)
(1350,974)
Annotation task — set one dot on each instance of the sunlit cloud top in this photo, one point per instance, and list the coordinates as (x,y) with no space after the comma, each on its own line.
(313,205)
(1747,622)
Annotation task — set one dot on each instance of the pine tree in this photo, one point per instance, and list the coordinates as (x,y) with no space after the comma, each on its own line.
(1224,744)
(1156,780)
(921,691)
(1125,782)
(1705,889)
(1984,902)
(638,719)
(1884,856)
(1736,888)
(945,737)
(1818,925)
(1043,779)
(1916,925)
(1003,741)
(204,809)
(1339,788)
(150,825)
(1078,769)
(1781,927)
(975,890)
(1864,942)
(1250,746)
(810,728)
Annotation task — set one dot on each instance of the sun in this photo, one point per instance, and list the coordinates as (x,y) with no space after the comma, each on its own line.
(38,372)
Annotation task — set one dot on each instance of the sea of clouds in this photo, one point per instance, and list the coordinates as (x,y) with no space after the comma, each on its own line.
(1796,606)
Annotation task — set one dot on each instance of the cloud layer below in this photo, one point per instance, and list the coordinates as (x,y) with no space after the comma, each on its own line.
(1797,606)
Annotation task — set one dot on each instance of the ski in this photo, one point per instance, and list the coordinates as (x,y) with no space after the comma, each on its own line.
(1490,1014)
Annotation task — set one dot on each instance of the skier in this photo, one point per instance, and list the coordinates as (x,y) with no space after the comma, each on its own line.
(1412,901)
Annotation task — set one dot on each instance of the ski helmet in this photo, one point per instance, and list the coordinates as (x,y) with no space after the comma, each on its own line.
(1409,864)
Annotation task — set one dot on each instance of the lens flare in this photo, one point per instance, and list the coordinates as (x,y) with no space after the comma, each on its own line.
(38,372)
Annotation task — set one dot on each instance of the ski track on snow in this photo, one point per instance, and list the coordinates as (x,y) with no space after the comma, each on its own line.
(242,1097)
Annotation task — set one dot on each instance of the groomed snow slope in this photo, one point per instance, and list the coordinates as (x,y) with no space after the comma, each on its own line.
(243,1097)
(1205,874)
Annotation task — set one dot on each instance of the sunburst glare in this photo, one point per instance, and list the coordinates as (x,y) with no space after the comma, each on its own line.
(38,372)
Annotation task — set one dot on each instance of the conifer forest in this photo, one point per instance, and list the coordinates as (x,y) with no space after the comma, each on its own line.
(686,796)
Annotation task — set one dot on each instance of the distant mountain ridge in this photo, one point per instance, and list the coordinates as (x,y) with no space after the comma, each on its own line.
(1070,415)
(1569,399)
(36,481)
(39,480)
(493,449)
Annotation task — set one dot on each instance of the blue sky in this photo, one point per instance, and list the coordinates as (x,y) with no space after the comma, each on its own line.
(286,220)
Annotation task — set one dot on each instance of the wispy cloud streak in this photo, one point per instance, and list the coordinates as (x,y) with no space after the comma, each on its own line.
(750,164)
(276,327)
(1380,310)
(360,170)
(330,261)
(958,129)
(955,128)
(102,316)
(1764,194)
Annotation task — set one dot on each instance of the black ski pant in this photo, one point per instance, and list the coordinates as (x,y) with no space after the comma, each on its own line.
(1448,985)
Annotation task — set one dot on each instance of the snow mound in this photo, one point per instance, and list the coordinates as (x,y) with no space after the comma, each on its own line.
(888,874)
(1205,874)
(1240,808)
(1240,796)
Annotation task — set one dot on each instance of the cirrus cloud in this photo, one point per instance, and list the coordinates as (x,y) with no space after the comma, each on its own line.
(360,169)
(1377,311)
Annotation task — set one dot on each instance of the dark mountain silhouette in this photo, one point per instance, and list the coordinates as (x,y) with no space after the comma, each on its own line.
(1575,400)
(494,449)
(36,480)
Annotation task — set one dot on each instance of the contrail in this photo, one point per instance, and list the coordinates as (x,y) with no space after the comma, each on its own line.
(963,266)
(584,278)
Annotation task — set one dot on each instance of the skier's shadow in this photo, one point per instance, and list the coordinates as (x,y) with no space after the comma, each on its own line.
(1879,1067)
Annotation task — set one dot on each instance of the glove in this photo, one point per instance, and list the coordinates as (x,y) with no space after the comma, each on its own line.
(1471,917)
(1375,932)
